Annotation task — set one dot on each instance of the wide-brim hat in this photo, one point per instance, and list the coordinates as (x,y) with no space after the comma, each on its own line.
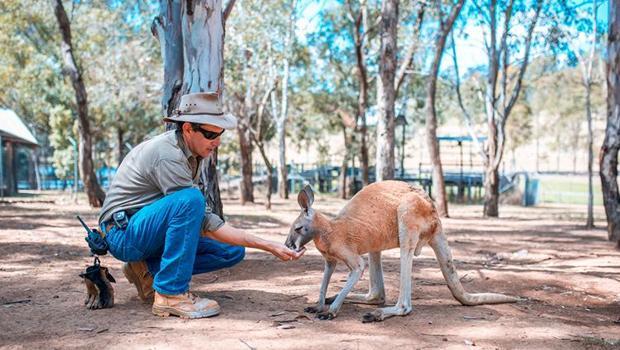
(202,108)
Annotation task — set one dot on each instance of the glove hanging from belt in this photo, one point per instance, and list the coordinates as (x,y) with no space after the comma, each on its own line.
(98,281)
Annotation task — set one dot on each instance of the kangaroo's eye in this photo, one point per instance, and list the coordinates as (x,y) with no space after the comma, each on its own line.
(298,229)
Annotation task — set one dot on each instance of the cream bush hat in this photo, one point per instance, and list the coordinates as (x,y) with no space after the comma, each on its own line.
(202,108)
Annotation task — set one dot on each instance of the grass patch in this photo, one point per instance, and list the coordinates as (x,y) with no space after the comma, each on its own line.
(569,189)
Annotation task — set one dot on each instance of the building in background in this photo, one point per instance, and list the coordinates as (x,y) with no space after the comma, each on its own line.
(15,141)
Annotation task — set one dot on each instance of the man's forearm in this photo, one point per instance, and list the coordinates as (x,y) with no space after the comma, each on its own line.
(234,236)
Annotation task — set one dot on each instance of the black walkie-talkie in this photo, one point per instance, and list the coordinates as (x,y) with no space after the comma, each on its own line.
(96,243)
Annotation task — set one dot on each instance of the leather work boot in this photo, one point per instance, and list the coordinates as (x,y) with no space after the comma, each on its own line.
(184,305)
(138,274)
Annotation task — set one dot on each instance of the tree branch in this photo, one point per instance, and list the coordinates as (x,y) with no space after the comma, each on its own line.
(228,10)
(411,50)
(528,43)
(466,115)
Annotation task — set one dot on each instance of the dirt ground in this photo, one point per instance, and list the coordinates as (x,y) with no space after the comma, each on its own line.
(569,278)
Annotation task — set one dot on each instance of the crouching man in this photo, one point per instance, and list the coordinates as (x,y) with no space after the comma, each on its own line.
(155,218)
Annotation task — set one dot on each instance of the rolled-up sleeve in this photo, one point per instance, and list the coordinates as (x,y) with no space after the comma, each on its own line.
(211,222)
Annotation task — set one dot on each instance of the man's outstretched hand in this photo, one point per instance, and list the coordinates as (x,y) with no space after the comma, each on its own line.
(284,253)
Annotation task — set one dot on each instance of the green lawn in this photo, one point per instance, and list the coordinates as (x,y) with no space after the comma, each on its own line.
(569,189)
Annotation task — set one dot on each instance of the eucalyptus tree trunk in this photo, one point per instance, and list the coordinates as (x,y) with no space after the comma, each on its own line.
(590,218)
(445,26)
(587,83)
(246,186)
(609,150)
(95,194)
(386,92)
(499,100)
(259,135)
(344,166)
(120,141)
(191,36)
(360,32)
(244,127)
(283,115)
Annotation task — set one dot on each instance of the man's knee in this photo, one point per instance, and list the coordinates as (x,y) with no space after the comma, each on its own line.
(192,199)
(237,253)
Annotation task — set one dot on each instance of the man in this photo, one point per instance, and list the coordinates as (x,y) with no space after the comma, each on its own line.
(155,218)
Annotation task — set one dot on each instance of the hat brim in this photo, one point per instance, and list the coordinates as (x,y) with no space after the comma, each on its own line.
(224,121)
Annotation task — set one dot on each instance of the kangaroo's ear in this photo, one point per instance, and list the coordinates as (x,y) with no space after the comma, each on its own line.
(305,198)
(310,194)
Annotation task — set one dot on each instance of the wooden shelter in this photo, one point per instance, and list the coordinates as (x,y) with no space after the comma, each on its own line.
(13,134)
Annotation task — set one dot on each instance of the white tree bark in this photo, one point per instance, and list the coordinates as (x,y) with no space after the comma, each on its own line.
(611,145)
(191,36)
(386,92)
(283,115)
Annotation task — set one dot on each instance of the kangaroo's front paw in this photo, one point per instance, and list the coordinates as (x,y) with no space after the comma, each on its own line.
(326,316)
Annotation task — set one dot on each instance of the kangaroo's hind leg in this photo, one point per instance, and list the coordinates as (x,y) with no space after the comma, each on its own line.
(409,238)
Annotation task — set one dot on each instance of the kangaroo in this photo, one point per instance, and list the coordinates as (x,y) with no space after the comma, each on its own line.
(383,215)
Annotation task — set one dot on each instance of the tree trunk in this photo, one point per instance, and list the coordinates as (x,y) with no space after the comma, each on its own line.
(245,147)
(94,192)
(590,218)
(37,174)
(261,148)
(587,80)
(344,166)
(491,178)
(501,102)
(386,92)
(191,37)
(10,172)
(439,186)
(282,171)
(244,131)
(282,118)
(167,29)
(120,143)
(609,150)
(360,32)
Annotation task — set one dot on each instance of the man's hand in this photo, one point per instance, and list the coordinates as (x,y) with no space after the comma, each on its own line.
(284,253)
(234,236)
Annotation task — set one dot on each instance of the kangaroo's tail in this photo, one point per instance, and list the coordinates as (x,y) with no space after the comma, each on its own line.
(439,243)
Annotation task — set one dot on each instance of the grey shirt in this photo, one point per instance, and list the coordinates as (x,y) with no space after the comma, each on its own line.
(153,169)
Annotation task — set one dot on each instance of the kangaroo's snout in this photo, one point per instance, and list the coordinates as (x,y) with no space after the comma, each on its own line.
(289,243)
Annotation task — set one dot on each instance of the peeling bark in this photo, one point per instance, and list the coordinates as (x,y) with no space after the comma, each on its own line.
(191,36)
(386,92)
(611,144)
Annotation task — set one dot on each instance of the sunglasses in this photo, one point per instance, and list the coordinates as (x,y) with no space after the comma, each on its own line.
(209,135)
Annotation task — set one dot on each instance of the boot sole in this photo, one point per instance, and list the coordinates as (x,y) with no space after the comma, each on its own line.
(164,311)
(133,279)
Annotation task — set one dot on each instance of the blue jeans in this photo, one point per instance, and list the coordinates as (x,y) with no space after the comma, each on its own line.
(166,234)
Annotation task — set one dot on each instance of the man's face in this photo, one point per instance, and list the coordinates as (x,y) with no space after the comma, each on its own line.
(197,140)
